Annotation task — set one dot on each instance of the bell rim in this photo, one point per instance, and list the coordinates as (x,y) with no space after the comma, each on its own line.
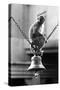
(36,67)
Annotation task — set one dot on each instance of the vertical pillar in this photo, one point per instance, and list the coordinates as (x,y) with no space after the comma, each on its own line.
(9,44)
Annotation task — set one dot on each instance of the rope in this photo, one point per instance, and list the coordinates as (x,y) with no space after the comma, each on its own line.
(20,29)
(52,32)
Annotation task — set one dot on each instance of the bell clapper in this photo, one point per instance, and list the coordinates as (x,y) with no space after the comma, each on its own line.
(36,74)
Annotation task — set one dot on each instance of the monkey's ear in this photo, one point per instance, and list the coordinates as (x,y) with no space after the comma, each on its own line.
(44,34)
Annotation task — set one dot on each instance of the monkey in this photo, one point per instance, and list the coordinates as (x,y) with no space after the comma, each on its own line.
(36,36)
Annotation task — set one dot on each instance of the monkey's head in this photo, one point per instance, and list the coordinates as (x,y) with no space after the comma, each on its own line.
(41,19)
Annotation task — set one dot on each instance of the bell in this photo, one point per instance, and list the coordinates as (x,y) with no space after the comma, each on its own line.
(36,64)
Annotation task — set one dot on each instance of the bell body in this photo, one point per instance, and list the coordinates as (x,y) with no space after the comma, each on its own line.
(36,64)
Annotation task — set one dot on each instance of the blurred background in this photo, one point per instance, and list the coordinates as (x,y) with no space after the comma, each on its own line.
(19,49)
